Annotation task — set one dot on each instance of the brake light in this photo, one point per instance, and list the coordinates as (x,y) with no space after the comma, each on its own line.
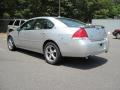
(81,33)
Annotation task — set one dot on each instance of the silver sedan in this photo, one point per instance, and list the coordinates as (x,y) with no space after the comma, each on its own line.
(58,36)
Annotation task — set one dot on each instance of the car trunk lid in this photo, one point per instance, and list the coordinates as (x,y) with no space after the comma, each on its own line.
(95,32)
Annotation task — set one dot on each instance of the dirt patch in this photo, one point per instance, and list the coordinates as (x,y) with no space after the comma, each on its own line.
(3,35)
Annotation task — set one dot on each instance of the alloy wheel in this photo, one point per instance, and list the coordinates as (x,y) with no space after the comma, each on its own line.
(10,43)
(50,53)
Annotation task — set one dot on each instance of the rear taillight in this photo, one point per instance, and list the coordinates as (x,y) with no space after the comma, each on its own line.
(81,33)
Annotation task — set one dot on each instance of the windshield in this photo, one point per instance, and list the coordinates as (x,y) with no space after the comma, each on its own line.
(71,22)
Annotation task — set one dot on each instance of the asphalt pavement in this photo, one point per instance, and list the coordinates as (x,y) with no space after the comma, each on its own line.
(25,70)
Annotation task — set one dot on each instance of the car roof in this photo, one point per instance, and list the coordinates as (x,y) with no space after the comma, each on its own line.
(54,20)
(51,17)
(47,17)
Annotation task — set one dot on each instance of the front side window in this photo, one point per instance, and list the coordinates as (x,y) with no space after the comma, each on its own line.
(28,25)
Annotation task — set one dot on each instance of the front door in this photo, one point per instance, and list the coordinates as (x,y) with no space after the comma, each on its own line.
(24,34)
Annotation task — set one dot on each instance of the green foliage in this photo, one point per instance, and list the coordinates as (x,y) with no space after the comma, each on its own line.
(102,13)
(83,10)
(115,11)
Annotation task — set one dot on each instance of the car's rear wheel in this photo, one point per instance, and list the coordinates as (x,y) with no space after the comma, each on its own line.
(52,53)
(118,36)
(10,43)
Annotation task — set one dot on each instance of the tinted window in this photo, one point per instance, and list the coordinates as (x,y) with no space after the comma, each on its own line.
(50,25)
(17,22)
(22,22)
(38,25)
(11,22)
(28,25)
(43,24)
(71,22)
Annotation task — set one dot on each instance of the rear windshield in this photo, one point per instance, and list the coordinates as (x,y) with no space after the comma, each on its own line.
(71,22)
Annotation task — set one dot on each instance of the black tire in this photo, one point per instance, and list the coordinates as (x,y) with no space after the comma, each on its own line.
(118,36)
(10,43)
(52,53)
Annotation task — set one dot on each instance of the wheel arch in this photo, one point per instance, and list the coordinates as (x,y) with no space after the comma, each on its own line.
(12,38)
(9,36)
(47,41)
(14,46)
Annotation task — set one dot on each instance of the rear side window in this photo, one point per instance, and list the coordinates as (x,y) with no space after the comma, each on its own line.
(11,22)
(17,23)
(47,24)
(43,24)
(71,22)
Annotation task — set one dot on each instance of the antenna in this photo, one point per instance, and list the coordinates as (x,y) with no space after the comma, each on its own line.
(59,8)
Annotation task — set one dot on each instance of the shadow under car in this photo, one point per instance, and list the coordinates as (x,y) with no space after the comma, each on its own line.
(78,63)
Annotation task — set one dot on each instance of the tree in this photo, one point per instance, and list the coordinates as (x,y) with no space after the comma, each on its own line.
(2,8)
(83,10)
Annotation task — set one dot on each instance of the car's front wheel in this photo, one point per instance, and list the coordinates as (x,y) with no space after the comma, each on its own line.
(52,53)
(10,43)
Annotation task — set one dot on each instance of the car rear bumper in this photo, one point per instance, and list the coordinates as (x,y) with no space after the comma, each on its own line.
(84,48)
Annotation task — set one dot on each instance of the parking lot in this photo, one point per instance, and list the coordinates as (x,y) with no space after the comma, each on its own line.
(25,70)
